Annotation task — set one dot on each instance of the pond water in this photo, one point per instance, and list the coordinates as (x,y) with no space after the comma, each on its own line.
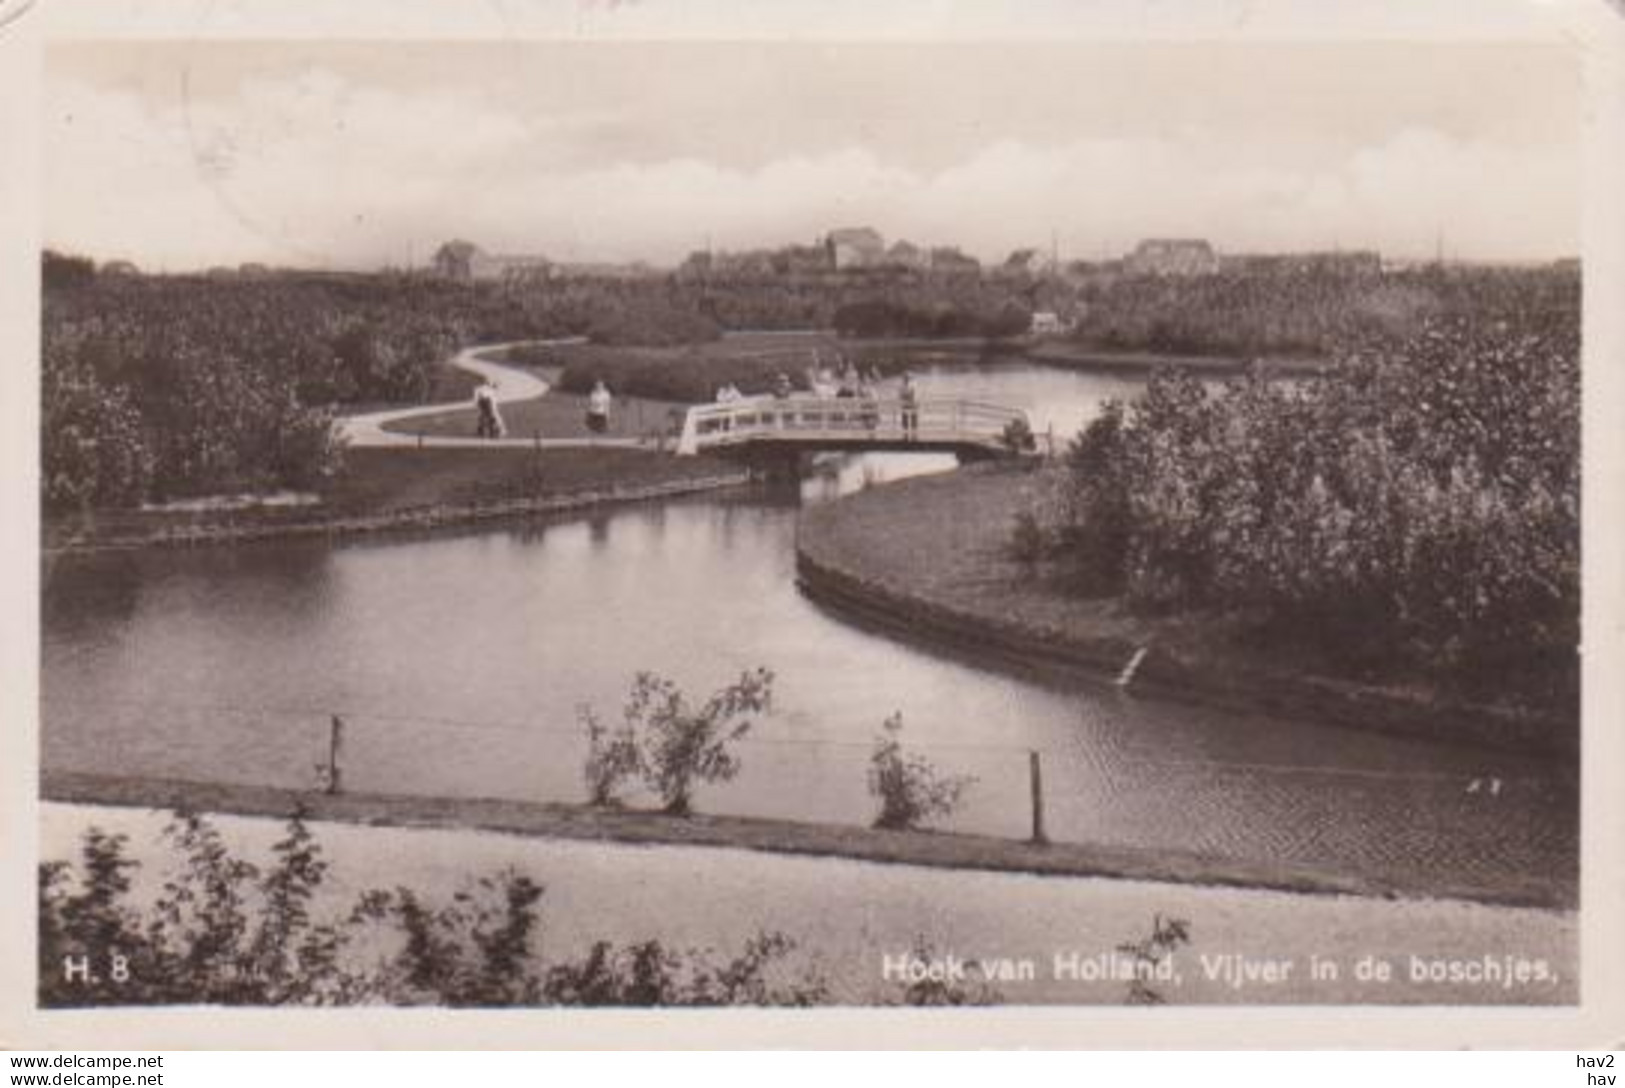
(458,662)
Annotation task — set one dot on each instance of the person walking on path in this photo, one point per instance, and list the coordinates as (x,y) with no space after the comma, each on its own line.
(598,405)
(489,424)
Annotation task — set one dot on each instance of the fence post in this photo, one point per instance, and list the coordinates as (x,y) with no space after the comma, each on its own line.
(335,738)
(1036,774)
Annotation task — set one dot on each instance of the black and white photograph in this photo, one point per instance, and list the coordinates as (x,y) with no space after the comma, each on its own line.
(647,517)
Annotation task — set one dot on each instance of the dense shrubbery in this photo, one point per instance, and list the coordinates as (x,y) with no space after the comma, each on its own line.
(156,387)
(224,931)
(1236,314)
(1420,504)
(878,317)
(652,320)
(1301,313)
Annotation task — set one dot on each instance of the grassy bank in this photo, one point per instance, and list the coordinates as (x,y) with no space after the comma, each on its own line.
(920,848)
(930,556)
(556,415)
(379,488)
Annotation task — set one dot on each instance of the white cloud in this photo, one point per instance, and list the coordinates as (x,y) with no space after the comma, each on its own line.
(308,166)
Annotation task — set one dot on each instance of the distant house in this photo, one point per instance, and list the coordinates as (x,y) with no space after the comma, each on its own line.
(120,268)
(1047,323)
(466,262)
(907,255)
(455,260)
(1172,257)
(947,260)
(855,247)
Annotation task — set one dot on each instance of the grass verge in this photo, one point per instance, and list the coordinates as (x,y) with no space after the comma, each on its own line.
(925,848)
(381,488)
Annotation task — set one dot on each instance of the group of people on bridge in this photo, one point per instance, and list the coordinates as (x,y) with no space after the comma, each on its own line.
(849,383)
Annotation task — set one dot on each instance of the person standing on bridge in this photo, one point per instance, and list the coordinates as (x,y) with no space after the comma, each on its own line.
(598,404)
(728,394)
(850,381)
(910,396)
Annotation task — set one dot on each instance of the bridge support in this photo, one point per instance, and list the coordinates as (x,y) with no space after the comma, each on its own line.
(770,461)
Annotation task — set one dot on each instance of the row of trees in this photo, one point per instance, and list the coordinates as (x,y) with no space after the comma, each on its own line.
(880,318)
(157,386)
(1418,505)
(1301,312)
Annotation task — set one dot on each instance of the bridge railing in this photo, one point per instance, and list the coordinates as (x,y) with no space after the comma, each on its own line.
(844,421)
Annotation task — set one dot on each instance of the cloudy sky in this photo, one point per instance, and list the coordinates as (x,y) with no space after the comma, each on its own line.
(181,155)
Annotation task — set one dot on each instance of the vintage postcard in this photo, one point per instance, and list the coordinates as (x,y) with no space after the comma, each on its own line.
(813,513)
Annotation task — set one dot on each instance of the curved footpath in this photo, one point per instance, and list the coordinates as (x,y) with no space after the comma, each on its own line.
(368,429)
(922,558)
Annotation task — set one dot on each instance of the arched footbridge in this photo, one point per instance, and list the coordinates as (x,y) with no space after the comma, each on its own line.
(970,429)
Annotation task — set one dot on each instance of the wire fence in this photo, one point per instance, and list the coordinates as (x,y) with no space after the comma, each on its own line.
(1013,791)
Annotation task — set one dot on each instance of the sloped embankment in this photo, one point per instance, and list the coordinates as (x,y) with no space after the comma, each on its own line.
(928,558)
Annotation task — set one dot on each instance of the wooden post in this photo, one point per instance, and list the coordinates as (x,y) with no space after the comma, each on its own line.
(1036,774)
(335,738)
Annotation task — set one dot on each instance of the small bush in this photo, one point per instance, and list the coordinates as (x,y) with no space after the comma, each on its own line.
(1018,437)
(613,757)
(1149,952)
(942,992)
(910,790)
(670,743)
(1027,540)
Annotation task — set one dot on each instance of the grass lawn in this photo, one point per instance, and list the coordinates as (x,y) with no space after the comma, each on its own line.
(390,479)
(556,415)
(946,539)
